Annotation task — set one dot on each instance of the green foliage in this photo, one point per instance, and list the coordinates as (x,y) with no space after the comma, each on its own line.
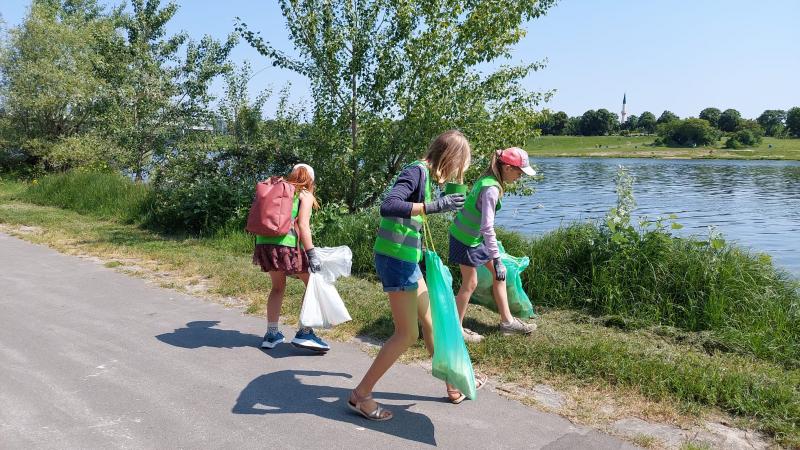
(598,123)
(729,120)
(554,124)
(793,121)
(631,123)
(667,117)
(89,152)
(105,195)
(771,121)
(159,93)
(387,78)
(647,122)
(196,193)
(687,132)
(711,115)
(52,68)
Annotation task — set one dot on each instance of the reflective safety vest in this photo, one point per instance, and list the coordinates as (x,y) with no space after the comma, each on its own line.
(466,228)
(287,240)
(401,238)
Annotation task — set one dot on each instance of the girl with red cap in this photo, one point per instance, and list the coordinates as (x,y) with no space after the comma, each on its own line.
(473,241)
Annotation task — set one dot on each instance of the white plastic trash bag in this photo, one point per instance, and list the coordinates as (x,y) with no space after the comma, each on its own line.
(336,262)
(322,305)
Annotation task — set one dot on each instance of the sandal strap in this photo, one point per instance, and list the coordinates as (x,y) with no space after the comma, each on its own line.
(376,413)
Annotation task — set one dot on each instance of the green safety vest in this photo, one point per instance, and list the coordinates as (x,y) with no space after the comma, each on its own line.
(467,226)
(287,240)
(401,238)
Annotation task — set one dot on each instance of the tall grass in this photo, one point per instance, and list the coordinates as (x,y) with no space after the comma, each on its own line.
(100,194)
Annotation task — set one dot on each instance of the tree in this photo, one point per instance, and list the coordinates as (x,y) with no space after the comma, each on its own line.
(771,121)
(160,93)
(647,122)
(666,117)
(386,77)
(53,84)
(598,123)
(729,120)
(631,123)
(573,127)
(711,115)
(793,121)
(688,132)
(555,124)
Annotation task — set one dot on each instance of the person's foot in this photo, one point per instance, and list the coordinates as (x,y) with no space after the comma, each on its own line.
(368,407)
(517,326)
(272,339)
(310,341)
(471,336)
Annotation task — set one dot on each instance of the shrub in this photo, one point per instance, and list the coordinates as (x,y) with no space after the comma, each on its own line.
(687,132)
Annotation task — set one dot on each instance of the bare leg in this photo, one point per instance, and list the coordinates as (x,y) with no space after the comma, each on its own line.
(424,315)
(500,296)
(404,314)
(469,281)
(275,299)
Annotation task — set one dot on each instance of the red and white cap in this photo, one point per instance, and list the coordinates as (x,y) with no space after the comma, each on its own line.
(517,157)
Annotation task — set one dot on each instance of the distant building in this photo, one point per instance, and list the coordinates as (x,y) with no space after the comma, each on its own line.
(624,114)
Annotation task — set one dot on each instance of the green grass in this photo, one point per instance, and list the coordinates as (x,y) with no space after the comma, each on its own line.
(606,341)
(640,147)
(103,195)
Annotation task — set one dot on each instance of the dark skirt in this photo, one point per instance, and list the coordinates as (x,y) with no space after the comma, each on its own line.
(468,256)
(279,258)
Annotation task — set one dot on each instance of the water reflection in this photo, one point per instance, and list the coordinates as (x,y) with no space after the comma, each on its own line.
(756,203)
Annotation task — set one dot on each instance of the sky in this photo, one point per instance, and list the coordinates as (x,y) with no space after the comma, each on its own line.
(680,55)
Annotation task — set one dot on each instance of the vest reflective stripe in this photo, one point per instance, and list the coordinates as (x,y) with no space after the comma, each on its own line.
(466,227)
(401,238)
(287,240)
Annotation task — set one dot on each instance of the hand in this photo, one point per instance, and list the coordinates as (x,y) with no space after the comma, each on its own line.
(445,203)
(314,264)
(499,270)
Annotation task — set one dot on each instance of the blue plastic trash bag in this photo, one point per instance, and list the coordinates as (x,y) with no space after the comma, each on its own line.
(518,301)
(451,361)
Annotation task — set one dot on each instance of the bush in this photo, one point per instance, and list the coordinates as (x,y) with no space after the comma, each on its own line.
(195,194)
(743,138)
(88,152)
(687,132)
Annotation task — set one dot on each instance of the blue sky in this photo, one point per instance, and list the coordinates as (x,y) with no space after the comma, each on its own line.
(680,55)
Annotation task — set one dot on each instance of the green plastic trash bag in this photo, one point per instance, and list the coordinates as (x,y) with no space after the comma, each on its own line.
(451,361)
(518,301)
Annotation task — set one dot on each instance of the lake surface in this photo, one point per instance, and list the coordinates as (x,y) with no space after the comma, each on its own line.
(753,203)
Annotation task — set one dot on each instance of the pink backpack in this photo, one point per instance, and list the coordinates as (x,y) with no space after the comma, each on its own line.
(271,212)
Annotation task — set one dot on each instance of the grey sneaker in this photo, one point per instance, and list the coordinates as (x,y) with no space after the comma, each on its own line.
(517,327)
(471,336)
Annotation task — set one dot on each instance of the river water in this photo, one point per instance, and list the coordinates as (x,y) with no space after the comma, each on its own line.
(753,203)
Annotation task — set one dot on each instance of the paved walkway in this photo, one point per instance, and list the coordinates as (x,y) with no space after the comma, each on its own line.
(91,358)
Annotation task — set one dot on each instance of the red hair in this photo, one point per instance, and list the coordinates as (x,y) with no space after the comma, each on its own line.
(302,180)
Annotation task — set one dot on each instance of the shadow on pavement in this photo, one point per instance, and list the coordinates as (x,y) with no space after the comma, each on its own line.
(284,392)
(202,333)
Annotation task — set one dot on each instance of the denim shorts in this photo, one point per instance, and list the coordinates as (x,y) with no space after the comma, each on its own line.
(397,275)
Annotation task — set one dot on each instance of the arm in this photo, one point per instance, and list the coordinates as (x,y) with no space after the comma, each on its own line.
(396,203)
(487,204)
(304,221)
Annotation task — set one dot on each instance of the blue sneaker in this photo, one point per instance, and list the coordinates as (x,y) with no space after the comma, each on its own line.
(310,341)
(272,339)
